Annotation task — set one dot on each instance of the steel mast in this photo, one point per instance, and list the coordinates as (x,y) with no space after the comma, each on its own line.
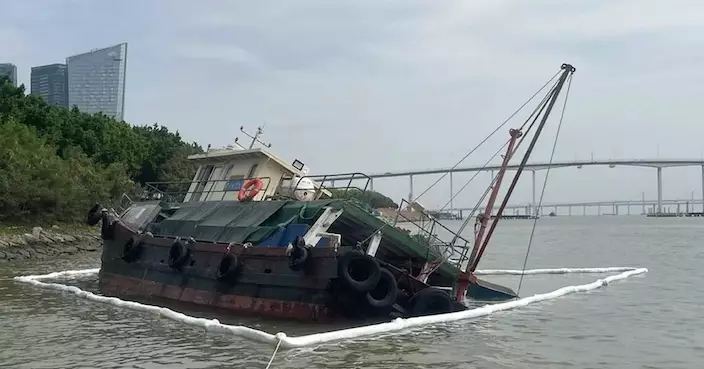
(466,276)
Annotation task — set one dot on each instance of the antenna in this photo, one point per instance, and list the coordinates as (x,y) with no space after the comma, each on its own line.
(238,144)
(255,138)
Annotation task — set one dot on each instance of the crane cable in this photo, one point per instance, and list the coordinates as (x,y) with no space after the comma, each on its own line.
(484,140)
(534,115)
(535,111)
(410,201)
(545,182)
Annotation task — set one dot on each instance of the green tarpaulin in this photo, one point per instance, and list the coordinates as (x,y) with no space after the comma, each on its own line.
(234,221)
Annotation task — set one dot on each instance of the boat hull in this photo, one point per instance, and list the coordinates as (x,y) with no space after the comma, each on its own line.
(117,285)
(265,284)
(274,281)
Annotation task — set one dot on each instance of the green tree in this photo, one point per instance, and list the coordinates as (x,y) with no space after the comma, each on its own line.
(57,162)
(38,185)
(149,153)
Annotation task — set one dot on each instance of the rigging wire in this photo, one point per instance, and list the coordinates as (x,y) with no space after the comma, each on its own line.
(410,201)
(475,175)
(545,182)
(534,115)
(537,112)
(540,107)
(485,139)
(567,71)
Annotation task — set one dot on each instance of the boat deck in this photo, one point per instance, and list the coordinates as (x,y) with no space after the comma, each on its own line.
(257,221)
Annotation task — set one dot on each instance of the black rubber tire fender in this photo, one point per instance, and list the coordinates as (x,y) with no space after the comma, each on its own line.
(228,268)
(298,257)
(352,264)
(178,254)
(385,292)
(431,301)
(94,215)
(107,229)
(132,249)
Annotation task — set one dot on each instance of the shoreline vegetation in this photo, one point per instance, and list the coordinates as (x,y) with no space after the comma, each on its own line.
(58,162)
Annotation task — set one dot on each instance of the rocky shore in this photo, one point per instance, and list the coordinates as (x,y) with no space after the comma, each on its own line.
(41,244)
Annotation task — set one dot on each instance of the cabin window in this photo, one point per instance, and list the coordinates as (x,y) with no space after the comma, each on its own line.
(203,177)
(252,171)
(234,182)
(226,173)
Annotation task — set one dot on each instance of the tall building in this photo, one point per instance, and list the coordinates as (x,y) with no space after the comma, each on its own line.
(51,83)
(96,81)
(9,70)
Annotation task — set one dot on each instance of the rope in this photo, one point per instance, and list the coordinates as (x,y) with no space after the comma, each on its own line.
(545,182)
(273,355)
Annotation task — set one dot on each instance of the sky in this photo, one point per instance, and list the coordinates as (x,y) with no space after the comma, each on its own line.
(375,86)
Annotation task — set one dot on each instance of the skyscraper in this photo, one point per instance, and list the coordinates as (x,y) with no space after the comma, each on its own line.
(96,81)
(9,70)
(50,82)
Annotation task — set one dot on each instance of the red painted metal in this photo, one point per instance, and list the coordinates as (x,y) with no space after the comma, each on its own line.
(484,219)
(466,277)
(122,286)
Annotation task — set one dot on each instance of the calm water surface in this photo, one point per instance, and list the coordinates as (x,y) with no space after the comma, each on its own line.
(648,321)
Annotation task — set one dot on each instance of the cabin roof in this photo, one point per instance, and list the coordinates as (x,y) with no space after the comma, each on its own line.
(234,154)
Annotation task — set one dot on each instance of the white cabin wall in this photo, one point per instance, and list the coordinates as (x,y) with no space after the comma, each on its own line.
(240,167)
(215,190)
(273,171)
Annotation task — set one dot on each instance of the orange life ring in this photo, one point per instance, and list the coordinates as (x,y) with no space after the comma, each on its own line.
(250,189)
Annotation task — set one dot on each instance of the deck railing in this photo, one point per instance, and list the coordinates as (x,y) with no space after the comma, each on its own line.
(179,191)
(347,190)
(343,177)
(455,251)
(123,204)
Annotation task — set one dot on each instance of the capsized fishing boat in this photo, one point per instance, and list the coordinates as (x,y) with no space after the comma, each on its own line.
(254,234)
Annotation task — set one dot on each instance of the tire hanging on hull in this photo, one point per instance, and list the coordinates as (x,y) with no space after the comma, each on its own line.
(178,255)
(107,228)
(430,301)
(298,256)
(359,271)
(384,294)
(228,269)
(132,249)
(94,215)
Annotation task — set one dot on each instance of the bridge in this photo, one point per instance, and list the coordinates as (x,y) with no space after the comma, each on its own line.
(647,206)
(658,164)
